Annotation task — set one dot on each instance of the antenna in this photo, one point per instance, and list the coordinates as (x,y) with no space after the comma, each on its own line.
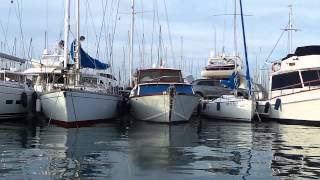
(289,29)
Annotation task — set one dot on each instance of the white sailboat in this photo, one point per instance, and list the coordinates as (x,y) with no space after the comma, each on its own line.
(233,107)
(80,100)
(160,95)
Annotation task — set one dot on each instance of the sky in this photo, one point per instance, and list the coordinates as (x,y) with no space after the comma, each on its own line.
(188,29)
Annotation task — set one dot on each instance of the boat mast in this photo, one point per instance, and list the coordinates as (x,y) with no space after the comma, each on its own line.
(245,51)
(235,46)
(66,34)
(77,44)
(131,44)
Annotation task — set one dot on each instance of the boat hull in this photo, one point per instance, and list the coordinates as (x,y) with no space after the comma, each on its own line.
(11,101)
(297,107)
(79,108)
(163,108)
(231,108)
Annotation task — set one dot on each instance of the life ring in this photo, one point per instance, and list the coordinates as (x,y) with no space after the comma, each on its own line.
(273,68)
(24,99)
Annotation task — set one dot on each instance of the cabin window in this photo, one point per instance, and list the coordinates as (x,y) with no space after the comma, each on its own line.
(9,101)
(159,75)
(18,102)
(311,78)
(286,81)
(206,83)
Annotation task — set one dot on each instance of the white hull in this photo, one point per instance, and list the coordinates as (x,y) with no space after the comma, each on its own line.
(300,106)
(79,106)
(10,99)
(156,108)
(231,108)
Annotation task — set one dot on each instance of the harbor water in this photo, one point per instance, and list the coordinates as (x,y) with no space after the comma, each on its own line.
(211,150)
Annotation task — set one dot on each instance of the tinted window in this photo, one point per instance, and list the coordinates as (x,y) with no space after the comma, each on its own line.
(286,81)
(311,78)
(9,101)
(205,83)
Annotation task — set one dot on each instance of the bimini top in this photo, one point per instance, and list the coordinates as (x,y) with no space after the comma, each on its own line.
(305,51)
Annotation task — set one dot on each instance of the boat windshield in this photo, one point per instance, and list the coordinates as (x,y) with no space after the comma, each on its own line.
(289,80)
(311,77)
(159,75)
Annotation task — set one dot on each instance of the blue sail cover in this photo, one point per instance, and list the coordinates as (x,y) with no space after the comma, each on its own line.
(248,78)
(86,61)
(232,82)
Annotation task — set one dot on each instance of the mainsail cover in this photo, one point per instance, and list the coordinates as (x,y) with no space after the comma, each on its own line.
(233,81)
(86,61)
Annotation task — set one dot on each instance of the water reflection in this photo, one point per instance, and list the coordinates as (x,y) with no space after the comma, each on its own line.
(296,151)
(221,150)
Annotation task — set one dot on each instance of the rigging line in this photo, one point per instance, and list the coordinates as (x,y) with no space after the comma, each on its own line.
(92,21)
(153,31)
(86,24)
(19,17)
(274,47)
(47,19)
(224,27)
(107,30)
(169,31)
(143,37)
(5,32)
(102,25)
(113,33)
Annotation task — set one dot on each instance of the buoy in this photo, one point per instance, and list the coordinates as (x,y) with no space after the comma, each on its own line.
(266,107)
(38,105)
(218,106)
(277,104)
(24,99)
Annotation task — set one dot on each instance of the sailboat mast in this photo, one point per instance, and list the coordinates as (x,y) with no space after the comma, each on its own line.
(248,78)
(235,28)
(66,34)
(77,43)
(131,44)
(235,45)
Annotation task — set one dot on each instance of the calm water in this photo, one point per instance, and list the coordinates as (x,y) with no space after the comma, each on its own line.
(221,150)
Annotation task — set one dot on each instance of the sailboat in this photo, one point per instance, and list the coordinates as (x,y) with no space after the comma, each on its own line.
(235,107)
(80,99)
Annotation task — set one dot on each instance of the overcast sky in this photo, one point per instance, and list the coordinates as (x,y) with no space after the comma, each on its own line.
(194,21)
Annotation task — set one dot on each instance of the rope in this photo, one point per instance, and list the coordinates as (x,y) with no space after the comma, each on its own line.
(274,47)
